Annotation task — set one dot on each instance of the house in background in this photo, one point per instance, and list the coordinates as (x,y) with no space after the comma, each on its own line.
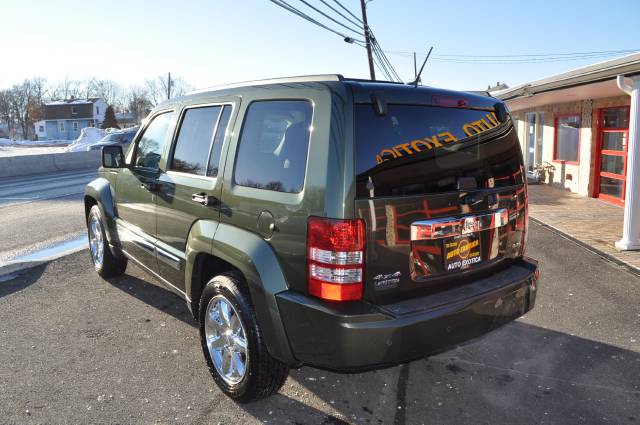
(40,129)
(577,125)
(126,119)
(580,130)
(63,119)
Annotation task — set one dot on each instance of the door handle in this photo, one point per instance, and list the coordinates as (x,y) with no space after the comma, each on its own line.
(150,186)
(204,199)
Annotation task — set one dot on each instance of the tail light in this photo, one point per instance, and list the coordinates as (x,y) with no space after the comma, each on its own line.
(335,258)
(525,227)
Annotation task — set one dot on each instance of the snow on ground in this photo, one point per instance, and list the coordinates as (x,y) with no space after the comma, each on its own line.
(10,147)
(88,136)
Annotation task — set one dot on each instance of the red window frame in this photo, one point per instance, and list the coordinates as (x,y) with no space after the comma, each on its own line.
(555,137)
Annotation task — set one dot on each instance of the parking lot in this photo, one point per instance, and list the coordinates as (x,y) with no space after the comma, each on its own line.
(78,349)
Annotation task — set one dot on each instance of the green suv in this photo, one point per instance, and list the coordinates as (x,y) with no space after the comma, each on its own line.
(339,223)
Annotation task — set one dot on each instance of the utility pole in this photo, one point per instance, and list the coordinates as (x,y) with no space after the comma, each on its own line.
(169,86)
(367,38)
(415,67)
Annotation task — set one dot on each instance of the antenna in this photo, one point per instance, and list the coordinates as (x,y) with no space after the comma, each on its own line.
(415,83)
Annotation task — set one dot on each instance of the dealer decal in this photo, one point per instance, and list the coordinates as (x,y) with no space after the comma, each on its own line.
(462,252)
(437,141)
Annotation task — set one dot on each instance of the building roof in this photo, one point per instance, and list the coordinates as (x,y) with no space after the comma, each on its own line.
(74,101)
(70,109)
(627,65)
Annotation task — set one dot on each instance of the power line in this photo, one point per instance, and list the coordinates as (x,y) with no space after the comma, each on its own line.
(286,6)
(357,24)
(516,59)
(383,58)
(348,11)
(542,54)
(523,61)
(329,17)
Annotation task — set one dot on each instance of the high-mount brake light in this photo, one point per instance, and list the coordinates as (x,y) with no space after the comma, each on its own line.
(449,101)
(335,258)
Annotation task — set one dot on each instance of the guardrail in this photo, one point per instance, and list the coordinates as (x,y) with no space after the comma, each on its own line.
(12,166)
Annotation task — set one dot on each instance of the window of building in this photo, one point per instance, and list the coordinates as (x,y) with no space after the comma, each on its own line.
(272,153)
(41,128)
(74,110)
(75,126)
(97,110)
(567,143)
(151,144)
(615,118)
(61,126)
(194,140)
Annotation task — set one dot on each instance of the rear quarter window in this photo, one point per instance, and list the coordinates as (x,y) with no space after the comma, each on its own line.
(273,147)
(425,149)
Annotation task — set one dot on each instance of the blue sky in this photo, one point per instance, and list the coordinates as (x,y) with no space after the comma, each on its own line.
(219,41)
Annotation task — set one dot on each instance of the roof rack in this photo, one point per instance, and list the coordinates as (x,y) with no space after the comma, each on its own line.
(365,80)
(283,80)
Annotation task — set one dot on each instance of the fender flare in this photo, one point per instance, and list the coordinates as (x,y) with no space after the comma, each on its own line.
(255,259)
(101,191)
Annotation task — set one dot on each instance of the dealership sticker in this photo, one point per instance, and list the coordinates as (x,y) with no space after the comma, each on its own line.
(461,252)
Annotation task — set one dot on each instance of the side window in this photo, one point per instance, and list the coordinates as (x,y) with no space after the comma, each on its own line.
(273,146)
(194,140)
(214,161)
(151,144)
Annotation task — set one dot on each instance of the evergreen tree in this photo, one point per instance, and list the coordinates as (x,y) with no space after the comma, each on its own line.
(110,119)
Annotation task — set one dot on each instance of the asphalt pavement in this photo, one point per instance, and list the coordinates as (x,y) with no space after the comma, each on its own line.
(46,207)
(78,349)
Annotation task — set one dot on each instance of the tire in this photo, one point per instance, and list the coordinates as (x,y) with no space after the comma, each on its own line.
(262,375)
(106,264)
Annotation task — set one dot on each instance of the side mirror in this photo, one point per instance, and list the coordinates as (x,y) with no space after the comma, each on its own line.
(112,157)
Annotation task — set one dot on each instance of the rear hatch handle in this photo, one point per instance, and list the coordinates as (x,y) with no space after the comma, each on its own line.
(439,228)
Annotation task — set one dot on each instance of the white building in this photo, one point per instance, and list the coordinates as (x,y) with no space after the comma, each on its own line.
(579,130)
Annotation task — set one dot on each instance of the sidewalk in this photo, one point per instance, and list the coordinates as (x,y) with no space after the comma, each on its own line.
(591,221)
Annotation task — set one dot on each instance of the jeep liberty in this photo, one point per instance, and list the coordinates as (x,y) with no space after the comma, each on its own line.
(338,223)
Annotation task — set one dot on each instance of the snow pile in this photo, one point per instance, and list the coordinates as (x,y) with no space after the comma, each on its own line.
(88,136)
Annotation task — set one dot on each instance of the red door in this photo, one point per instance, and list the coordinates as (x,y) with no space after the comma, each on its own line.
(611,159)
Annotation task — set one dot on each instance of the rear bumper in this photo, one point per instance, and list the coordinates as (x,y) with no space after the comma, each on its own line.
(355,336)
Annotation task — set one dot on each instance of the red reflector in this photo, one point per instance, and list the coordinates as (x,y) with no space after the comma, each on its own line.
(334,291)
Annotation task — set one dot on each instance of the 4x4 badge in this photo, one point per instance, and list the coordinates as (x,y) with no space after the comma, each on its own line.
(387,280)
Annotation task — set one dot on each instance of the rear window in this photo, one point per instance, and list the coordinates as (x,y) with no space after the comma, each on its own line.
(273,145)
(426,149)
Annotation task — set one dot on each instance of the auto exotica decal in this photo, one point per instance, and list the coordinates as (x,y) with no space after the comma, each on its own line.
(472,128)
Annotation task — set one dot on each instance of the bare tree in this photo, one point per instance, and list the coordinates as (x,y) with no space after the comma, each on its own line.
(108,90)
(138,102)
(157,88)
(21,105)
(66,89)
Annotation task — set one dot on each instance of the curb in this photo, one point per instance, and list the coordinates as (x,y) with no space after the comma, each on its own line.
(10,268)
(15,266)
(631,269)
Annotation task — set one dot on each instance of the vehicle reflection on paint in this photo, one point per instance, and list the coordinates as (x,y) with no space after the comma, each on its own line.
(393,219)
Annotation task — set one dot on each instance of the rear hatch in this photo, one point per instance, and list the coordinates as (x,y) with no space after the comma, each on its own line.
(442,193)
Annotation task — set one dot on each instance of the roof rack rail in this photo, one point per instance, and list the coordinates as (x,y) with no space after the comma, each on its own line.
(366,80)
(282,80)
